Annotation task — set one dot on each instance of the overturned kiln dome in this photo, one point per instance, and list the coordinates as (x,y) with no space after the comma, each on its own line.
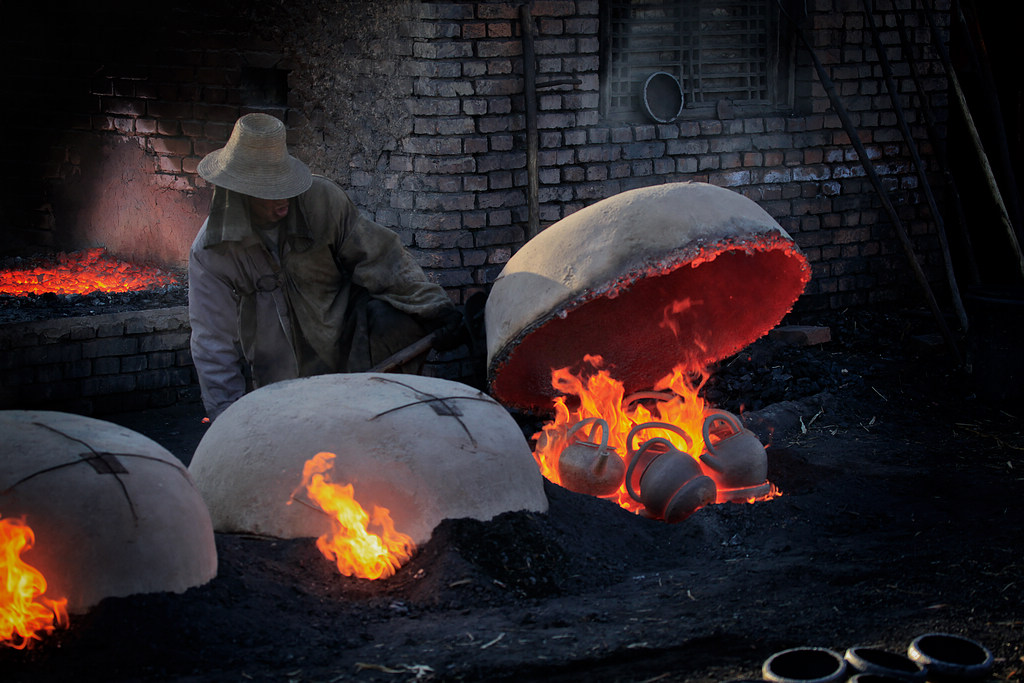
(647,279)
(114,514)
(425,448)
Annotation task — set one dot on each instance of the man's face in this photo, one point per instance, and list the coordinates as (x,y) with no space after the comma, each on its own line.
(267,211)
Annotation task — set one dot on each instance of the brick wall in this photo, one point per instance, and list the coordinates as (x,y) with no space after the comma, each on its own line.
(417,108)
(455,186)
(99,364)
(797,164)
(118,107)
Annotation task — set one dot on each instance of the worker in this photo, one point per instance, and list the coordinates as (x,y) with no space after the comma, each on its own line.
(286,279)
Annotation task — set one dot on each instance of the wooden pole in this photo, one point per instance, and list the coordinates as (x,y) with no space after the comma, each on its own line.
(532,136)
(410,352)
(908,138)
(940,147)
(869,169)
(979,148)
(965,15)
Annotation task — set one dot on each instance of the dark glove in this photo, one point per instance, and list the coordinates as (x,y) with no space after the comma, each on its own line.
(450,330)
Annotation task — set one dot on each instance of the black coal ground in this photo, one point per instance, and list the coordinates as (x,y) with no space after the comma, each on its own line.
(33,308)
(900,515)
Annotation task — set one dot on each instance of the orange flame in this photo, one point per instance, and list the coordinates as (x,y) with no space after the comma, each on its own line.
(592,392)
(675,400)
(82,273)
(24,615)
(350,544)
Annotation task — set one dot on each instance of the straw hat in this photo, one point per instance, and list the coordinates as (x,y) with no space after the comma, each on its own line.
(256,162)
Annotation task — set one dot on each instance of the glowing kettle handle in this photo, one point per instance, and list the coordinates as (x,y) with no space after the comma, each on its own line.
(634,456)
(597,422)
(719,416)
(632,464)
(655,425)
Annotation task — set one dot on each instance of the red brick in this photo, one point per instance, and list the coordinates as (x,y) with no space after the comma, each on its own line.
(179,146)
(498,10)
(167,164)
(474,30)
(499,29)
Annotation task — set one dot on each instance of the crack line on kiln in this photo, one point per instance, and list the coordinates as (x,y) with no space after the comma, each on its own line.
(451,411)
(96,456)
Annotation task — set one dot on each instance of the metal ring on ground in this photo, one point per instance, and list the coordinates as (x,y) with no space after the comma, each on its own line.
(804,665)
(951,657)
(869,660)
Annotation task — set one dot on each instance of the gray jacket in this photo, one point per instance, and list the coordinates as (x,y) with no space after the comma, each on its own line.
(284,317)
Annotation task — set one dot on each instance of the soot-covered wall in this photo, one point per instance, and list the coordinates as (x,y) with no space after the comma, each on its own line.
(418,109)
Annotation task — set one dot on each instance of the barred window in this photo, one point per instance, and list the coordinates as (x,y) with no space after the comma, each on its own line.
(662,55)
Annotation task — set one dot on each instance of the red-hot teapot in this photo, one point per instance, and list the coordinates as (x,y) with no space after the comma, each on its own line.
(672,486)
(589,467)
(737,460)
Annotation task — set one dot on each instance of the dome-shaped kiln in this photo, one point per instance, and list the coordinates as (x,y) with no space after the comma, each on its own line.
(425,448)
(648,279)
(114,514)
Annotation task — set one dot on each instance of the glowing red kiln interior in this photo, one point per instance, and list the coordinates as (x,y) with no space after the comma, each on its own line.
(702,272)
